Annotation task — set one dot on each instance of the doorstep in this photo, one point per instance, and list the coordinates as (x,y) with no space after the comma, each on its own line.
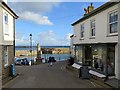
(113,82)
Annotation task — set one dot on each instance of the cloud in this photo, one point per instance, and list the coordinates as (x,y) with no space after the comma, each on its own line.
(45,38)
(49,38)
(34,11)
(20,39)
(36,7)
(42,20)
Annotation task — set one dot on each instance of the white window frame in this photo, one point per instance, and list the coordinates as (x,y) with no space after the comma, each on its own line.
(82,31)
(92,27)
(112,12)
(5,56)
(6,27)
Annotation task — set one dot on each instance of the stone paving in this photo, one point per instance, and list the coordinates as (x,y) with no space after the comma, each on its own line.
(42,76)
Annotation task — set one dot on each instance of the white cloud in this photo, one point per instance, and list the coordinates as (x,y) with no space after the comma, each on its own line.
(50,38)
(45,38)
(36,7)
(20,39)
(42,20)
(34,11)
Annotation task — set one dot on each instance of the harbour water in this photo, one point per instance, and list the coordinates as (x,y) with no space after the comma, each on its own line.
(58,57)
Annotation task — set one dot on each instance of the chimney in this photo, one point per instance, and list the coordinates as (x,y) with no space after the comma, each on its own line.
(86,11)
(89,9)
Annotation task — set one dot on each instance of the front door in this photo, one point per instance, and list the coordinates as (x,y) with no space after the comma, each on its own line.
(111,60)
(88,55)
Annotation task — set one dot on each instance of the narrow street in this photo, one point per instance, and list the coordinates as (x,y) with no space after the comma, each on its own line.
(42,76)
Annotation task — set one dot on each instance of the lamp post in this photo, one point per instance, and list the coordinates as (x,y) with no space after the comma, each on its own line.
(31,46)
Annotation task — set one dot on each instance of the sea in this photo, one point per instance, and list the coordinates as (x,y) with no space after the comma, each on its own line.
(58,57)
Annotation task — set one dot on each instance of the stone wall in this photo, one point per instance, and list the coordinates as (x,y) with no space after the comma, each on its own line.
(6,71)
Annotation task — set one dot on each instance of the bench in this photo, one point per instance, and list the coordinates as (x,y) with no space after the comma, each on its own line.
(77,66)
(97,74)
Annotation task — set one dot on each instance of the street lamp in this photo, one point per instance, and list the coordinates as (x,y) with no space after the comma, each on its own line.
(31,45)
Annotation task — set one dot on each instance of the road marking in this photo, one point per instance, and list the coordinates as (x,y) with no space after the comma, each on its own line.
(93,84)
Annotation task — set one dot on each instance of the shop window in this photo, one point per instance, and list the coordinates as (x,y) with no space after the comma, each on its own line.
(99,57)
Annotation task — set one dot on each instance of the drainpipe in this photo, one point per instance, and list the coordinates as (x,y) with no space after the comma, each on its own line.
(118,42)
(75,53)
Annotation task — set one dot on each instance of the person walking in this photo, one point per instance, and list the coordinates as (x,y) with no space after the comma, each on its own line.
(50,61)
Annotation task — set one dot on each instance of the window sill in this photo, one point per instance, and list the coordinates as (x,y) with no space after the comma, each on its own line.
(7,34)
(81,38)
(114,34)
(92,37)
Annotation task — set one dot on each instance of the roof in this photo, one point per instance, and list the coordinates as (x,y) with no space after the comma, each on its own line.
(96,11)
(14,14)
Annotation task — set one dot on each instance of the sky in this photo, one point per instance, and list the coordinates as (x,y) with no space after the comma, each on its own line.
(48,22)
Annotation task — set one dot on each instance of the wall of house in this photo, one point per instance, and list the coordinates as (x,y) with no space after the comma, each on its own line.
(101,22)
(101,31)
(72,47)
(9,37)
(1,33)
(6,71)
(116,61)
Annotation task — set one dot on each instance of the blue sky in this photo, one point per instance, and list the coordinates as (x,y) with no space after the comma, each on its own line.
(49,22)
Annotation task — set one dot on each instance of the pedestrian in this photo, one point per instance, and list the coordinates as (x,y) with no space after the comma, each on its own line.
(50,61)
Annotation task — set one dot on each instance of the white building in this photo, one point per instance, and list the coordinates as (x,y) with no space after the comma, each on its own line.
(96,39)
(7,39)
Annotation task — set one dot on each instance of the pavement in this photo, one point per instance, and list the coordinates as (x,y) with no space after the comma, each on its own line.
(42,76)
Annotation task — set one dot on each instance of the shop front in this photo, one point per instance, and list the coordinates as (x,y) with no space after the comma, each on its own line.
(100,57)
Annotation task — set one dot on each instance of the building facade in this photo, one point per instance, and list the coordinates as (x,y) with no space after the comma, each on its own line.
(96,39)
(7,39)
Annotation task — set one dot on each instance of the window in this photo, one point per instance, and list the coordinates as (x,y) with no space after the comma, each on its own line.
(93,28)
(113,22)
(6,23)
(5,56)
(82,30)
(6,18)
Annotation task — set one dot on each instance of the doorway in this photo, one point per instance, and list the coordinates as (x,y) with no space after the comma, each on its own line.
(88,55)
(111,60)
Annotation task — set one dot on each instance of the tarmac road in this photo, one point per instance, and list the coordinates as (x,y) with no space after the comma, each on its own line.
(42,76)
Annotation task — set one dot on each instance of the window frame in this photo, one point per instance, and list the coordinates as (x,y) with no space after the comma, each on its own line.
(111,23)
(6,56)
(6,27)
(92,27)
(82,30)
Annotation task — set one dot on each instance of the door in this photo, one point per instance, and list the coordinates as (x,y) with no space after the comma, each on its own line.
(111,60)
(88,55)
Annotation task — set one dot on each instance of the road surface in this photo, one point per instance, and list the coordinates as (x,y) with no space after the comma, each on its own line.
(42,76)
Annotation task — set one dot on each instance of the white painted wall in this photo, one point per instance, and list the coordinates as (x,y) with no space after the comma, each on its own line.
(101,22)
(9,36)
(116,61)
(72,47)
(1,33)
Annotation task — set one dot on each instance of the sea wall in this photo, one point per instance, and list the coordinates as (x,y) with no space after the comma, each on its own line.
(34,53)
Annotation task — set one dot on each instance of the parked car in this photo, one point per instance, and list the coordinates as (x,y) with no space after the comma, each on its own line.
(21,61)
